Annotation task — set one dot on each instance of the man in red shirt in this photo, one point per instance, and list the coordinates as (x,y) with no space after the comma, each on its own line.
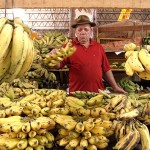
(88,66)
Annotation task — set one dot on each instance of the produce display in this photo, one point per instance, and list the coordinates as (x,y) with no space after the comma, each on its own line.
(129,86)
(44,118)
(16,48)
(138,61)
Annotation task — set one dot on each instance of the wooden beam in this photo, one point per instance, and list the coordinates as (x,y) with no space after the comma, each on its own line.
(124,28)
(143,4)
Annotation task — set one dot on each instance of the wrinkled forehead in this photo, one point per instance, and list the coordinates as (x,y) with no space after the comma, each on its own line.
(83,26)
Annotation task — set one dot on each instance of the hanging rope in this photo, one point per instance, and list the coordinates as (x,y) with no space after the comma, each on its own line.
(5,7)
(13,9)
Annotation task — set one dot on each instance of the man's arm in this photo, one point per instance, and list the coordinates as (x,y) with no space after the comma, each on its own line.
(108,76)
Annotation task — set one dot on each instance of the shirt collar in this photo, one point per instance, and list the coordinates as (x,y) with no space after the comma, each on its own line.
(77,42)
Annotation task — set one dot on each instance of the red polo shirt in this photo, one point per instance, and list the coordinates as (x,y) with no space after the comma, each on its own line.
(86,67)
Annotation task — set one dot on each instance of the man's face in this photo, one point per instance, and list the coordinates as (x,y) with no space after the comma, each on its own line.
(83,33)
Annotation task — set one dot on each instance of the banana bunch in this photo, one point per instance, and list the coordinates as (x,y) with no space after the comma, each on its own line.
(50,39)
(62,53)
(83,94)
(86,134)
(137,61)
(16,47)
(129,86)
(127,135)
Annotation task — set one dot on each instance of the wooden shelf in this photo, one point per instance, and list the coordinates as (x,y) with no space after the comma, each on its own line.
(124,28)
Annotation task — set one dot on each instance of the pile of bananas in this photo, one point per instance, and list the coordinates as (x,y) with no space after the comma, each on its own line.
(129,86)
(138,61)
(61,54)
(52,39)
(16,49)
(38,118)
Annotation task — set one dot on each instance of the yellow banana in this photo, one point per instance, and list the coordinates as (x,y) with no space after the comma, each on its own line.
(95,112)
(5,36)
(17,49)
(29,148)
(63,111)
(63,141)
(135,63)
(35,125)
(49,136)
(22,144)
(49,145)
(91,147)
(26,127)
(11,143)
(88,125)
(74,142)
(3,20)
(128,53)
(29,59)
(40,147)
(73,134)
(5,64)
(83,112)
(144,57)
(102,145)
(32,133)
(123,142)
(99,130)
(42,139)
(79,127)
(63,132)
(23,57)
(83,143)
(93,140)
(21,135)
(144,134)
(130,47)
(144,75)
(86,134)
(128,115)
(128,69)
(135,140)
(33,142)
(75,100)
(95,100)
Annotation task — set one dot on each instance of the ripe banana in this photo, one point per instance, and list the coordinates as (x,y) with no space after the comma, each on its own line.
(129,115)
(124,141)
(144,134)
(95,100)
(29,59)
(135,63)
(129,47)
(95,112)
(144,75)
(49,136)
(79,127)
(5,36)
(33,142)
(26,127)
(83,143)
(135,140)
(22,59)
(17,50)
(144,57)
(3,20)
(128,69)
(5,64)
(22,144)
